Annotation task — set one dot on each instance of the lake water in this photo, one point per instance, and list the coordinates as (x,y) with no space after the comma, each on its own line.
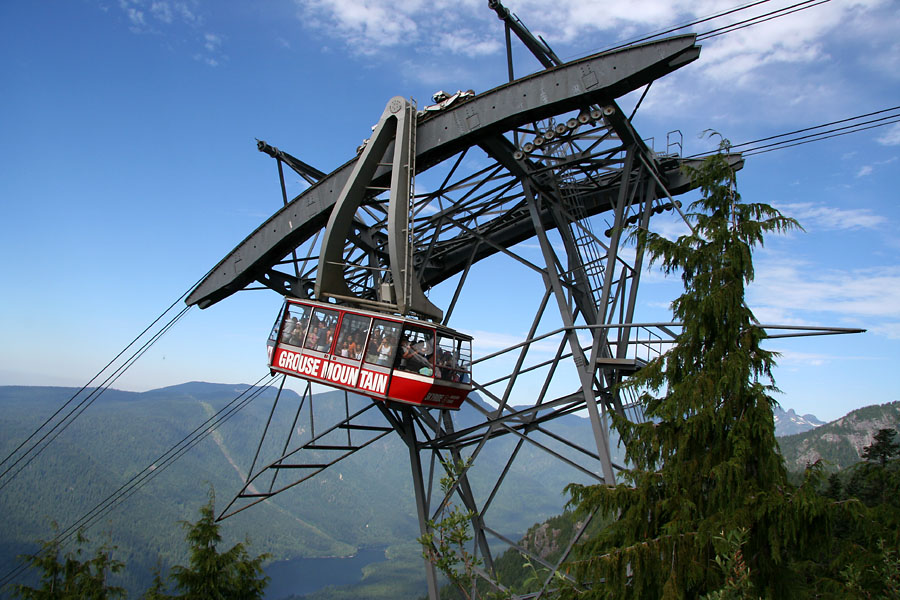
(305,575)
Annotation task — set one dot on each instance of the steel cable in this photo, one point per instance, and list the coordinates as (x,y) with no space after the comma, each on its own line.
(814,137)
(73,414)
(775,14)
(156,467)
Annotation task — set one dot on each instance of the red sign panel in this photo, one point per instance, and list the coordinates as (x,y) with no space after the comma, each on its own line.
(403,387)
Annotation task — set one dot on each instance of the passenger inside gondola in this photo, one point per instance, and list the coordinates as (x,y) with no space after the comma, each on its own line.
(312,338)
(453,359)
(288,330)
(353,329)
(416,351)
(382,343)
(295,321)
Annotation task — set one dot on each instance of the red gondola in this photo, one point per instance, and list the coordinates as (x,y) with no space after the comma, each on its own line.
(377,355)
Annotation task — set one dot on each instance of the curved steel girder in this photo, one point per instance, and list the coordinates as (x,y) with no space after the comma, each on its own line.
(596,79)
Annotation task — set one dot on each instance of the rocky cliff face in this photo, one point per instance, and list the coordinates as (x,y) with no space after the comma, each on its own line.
(839,443)
(543,539)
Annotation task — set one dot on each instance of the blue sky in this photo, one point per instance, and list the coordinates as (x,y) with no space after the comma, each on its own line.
(130,166)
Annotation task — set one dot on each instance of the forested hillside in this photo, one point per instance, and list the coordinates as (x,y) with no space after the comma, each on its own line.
(365,500)
(839,444)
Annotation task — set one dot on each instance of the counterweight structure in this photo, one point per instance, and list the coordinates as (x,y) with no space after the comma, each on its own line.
(548,159)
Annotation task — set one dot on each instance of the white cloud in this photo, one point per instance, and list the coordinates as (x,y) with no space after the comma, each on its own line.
(790,358)
(858,295)
(670,227)
(212,42)
(809,359)
(817,216)
(492,341)
(891,137)
(466,42)
(172,19)
(135,15)
(212,62)
(187,15)
(162,11)
(888,330)
(759,64)
(864,171)
(366,25)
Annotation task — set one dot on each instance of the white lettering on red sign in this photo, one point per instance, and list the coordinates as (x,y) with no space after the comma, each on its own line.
(334,372)
(343,374)
(373,382)
(305,365)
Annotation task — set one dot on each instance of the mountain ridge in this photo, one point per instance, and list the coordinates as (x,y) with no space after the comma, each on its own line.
(839,444)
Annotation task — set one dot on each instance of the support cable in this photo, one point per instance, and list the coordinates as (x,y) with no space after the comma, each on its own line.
(157,466)
(775,14)
(753,152)
(99,373)
(73,414)
(756,148)
(724,13)
(660,33)
(36,449)
(805,129)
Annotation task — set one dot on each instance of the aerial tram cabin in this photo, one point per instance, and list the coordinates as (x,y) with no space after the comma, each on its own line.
(377,355)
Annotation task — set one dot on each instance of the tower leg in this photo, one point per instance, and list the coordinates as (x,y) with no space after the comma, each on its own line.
(408,433)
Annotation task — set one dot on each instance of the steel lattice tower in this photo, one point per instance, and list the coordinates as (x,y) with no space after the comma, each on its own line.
(550,159)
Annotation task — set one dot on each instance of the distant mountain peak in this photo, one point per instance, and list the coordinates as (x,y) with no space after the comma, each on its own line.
(789,422)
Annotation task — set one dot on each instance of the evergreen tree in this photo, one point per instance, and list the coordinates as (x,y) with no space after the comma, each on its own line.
(706,463)
(835,488)
(214,575)
(158,588)
(70,578)
(882,448)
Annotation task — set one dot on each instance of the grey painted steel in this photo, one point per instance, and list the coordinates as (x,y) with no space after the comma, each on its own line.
(407,431)
(585,371)
(396,123)
(593,80)
(536,46)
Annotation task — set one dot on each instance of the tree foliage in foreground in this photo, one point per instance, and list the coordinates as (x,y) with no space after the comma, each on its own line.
(210,574)
(705,465)
(69,577)
(215,575)
(446,546)
(864,559)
